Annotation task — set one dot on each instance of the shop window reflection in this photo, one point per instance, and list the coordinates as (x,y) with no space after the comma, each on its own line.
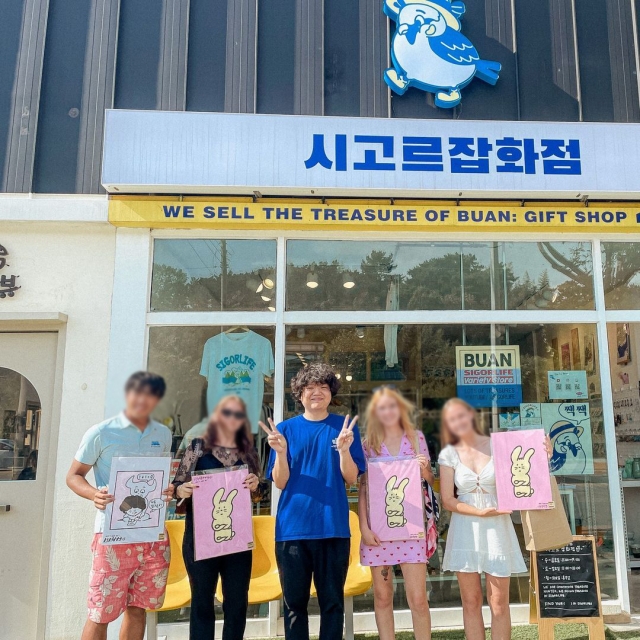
(331,275)
(213,275)
(420,360)
(20,415)
(621,274)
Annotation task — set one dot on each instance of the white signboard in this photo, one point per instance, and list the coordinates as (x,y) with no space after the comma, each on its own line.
(186,152)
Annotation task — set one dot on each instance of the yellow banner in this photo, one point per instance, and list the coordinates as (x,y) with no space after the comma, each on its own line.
(212,213)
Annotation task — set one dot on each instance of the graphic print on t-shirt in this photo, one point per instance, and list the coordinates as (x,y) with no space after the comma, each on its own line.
(236,364)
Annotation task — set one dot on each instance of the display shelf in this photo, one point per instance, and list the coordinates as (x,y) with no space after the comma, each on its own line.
(630,483)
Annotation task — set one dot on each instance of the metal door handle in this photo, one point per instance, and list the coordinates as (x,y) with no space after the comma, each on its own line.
(4,508)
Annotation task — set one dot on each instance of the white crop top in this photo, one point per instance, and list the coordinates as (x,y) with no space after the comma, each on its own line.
(465,479)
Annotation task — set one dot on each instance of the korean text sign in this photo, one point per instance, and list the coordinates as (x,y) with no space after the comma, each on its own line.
(523,481)
(138,511)
(489,376)
(396,500)
(222,513)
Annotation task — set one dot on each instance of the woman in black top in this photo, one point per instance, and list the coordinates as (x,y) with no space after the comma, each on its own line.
(226,443)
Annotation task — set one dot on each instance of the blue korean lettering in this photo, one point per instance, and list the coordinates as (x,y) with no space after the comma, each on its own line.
(476,158)
(422,154)
(517,156)
(319,155)
(560,157)
(371,155)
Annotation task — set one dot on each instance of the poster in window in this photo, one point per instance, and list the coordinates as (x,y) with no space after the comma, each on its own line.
(222,513)
(523,482)
(396,500)
(138,511)
(575,348)
(569,427)
(623,343)
(556,354)
(566,356)
(590,354)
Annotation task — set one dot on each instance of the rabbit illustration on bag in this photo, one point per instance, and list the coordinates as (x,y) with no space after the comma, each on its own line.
(222,524)
(520,467)
(394,500)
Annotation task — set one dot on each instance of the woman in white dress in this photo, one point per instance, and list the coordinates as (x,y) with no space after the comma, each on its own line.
(481,539)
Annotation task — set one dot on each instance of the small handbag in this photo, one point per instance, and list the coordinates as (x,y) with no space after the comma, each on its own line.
(432,515)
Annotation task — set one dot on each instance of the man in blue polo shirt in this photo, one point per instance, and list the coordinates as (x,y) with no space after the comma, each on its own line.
(312,457)
(124,578)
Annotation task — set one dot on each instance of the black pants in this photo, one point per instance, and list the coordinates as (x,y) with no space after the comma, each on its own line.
(235,572)
(327,562)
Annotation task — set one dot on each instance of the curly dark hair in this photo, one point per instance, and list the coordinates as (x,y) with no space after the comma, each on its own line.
(316,373)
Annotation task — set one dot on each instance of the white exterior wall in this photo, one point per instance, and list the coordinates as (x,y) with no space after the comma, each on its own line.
(66,267)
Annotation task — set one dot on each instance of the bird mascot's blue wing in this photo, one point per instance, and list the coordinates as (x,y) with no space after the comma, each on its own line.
(455,48)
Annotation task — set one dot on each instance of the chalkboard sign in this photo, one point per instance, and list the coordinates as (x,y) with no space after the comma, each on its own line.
(567,581)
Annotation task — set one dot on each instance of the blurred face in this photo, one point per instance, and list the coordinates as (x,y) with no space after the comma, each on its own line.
(387,411)
(230,416)
(459,420)
(140,404)
(316,397)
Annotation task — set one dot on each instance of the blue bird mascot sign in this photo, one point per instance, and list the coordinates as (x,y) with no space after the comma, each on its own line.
(429,52)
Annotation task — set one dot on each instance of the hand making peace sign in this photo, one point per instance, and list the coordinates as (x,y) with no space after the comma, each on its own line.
(275,439)
(345,439)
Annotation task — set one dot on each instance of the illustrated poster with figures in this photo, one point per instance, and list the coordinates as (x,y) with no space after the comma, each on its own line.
(138,511)
(523,481)
(221,513)
(569,427)
(396,500)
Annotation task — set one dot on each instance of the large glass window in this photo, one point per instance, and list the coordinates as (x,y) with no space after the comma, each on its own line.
(20,413)
(420,360)
(201,365)
(206,63)
(621,274)
(58,136)
(624,359)
(213,275)
(334,275)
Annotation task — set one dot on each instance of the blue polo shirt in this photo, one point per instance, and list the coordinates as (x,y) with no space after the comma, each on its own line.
(314,504)
(119,437)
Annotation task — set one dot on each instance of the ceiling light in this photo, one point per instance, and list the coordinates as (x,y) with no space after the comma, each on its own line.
(338,376)
(300,333)
(265,298)
(360,332)
(269,281)
(349,377)
(260,287)
(271,308)
(312,280)
(347,281)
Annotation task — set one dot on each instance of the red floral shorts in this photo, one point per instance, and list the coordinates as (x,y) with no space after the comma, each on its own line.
(126,575)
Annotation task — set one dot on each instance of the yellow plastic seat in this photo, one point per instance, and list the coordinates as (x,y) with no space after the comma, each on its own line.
(178,593)
(265,581)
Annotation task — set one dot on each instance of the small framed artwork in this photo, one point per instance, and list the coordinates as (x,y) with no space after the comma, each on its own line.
(623,343)
(566,357)
(590,354)
(575,349)
(556,353)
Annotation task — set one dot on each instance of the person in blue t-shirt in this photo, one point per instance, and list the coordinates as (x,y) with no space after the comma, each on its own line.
(312,457)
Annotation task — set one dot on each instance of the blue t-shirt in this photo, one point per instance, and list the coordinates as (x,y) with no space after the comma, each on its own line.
(314,505)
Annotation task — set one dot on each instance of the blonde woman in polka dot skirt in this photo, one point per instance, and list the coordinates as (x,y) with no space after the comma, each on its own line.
(391,433)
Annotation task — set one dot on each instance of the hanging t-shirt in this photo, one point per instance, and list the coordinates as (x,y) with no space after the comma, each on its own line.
(236,364)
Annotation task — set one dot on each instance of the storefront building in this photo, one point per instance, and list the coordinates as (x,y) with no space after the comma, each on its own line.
(223,192)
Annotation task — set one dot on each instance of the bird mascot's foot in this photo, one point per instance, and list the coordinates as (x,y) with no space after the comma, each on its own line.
(395,81)
(448,99)
(488,71)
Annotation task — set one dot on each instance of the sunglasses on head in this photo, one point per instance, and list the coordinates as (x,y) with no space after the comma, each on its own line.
(385,386)
(228,413)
